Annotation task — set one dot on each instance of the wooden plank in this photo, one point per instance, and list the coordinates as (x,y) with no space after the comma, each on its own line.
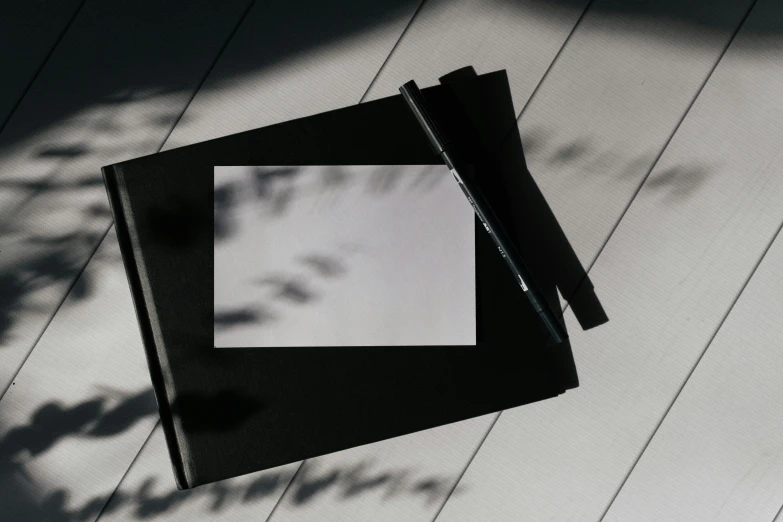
(667,277)
(68,423)
(148,488)
(651,80)
(718,453)
(522,37)
(112,89)
(304,61)
(405,478)
(87,497)
(29,31)
(149,493)
(609,106)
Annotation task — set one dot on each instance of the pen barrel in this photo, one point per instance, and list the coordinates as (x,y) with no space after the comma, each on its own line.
(415,100)
(508,251)
(555,328)
(418,105)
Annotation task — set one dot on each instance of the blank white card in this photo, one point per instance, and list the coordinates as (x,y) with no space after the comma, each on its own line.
(343,256)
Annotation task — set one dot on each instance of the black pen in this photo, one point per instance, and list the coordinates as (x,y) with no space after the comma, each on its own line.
(415,100)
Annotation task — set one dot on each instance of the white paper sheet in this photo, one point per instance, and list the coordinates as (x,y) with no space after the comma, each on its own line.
(343,256)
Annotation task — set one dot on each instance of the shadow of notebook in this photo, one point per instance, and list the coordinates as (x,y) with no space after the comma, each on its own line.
(227,412)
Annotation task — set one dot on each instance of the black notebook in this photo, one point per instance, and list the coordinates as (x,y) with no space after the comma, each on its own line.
(227,412)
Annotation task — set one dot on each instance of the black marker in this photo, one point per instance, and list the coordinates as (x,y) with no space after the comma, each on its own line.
(412,95)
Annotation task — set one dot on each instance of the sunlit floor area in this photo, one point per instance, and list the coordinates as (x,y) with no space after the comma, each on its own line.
(653,128)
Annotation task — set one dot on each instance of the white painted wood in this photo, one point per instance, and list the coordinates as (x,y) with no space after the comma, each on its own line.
(78,411)
(305,59)
(718,454)
(149,493)
(29,30)
(522,37)
(652,79)
(667,277)
(611,102)
(111,90)
(405,478)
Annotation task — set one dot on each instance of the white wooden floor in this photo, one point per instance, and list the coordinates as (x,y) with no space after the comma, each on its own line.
(655,130)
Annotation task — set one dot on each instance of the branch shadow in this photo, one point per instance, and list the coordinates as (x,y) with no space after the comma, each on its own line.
(675,183)
(54,423)
(342,483)
(272,191)
(275,189)
(271,293)
(44,262)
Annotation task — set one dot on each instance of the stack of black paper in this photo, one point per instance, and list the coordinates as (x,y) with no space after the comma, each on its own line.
(228,412)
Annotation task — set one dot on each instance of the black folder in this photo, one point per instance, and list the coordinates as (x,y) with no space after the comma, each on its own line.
(227,412)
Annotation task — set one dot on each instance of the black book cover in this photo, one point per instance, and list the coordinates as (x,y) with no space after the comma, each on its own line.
(227,412)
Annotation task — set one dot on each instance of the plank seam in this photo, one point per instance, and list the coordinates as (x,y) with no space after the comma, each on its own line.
(114,491)
(43,64)
(465,469)
(59,305)
(394,47)
(554,60)
(287,487)
(546,73)
(693,369)
(208,72)
(778,514)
